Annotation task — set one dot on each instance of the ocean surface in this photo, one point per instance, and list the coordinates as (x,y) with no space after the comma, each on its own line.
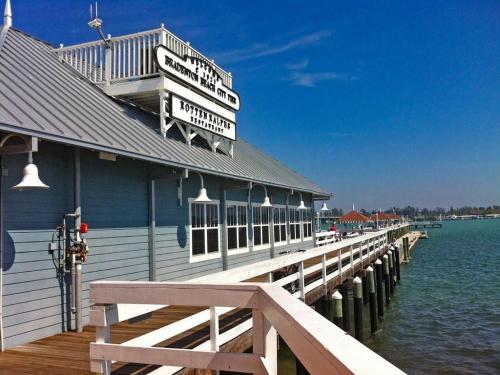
(444,318)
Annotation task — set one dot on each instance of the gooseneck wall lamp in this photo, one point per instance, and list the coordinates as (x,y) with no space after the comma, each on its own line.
(267,202)
(302,206)
(30,177)
(202,196)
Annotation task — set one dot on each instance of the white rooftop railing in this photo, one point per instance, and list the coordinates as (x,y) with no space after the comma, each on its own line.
(113,304)
(130,57)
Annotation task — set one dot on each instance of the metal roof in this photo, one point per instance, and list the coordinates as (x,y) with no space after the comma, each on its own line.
(42,96)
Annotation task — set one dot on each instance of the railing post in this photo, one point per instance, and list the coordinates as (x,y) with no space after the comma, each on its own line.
(339,264)
(108,62)
(323,270)
(301,282)
(351,261)
(360,250)
(269,277)
(102,335)
(265,341)
(214,329)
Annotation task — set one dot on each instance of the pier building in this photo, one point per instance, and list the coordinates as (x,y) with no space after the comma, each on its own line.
(122,166)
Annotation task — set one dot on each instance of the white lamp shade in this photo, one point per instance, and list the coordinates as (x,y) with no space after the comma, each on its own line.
(302,206)
(266,203)
(30,179)
(202,196)
(324,208)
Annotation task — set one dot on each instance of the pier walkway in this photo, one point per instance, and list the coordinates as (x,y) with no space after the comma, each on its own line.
(225,327)
(425,224)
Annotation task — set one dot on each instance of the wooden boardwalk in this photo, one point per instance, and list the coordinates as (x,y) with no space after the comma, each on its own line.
(68,353)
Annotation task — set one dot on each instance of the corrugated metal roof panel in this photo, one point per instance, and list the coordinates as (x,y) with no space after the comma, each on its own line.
(41,95)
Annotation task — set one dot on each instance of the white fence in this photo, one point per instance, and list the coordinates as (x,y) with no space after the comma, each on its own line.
(307,333)
(129,57)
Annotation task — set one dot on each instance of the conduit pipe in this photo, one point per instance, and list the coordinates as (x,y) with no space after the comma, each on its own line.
(77,266)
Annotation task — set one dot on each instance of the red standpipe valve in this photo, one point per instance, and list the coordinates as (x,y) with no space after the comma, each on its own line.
(84,228)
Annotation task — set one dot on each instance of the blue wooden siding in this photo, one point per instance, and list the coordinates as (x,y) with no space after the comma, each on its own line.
(115,205)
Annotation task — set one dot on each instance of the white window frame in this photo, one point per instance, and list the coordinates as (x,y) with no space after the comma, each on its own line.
(304,222)
(206,256)
(261,246)
(299,222)
(279,224)
(238,226)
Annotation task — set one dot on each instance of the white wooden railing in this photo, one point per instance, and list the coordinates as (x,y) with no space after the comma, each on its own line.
(319,345)
(129,57)
(338,260)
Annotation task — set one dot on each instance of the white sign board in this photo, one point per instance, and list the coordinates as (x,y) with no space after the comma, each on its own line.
(202,118)
(197,73)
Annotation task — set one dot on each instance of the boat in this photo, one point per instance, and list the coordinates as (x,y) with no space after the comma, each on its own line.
(423,235)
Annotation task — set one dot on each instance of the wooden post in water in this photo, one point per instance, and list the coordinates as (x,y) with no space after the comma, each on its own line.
(391,272)
(380,293)
(337,309)
(405,249)
(345,307)
(387,291)
(365,287)
(372,299)
(397,264)
(357,286)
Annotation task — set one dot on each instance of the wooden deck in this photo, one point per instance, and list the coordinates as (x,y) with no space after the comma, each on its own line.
(68,353)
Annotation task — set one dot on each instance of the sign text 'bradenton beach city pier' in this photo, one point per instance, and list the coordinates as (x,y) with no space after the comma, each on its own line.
(198,73)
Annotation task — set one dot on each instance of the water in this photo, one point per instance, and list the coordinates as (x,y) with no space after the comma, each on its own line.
(444,318)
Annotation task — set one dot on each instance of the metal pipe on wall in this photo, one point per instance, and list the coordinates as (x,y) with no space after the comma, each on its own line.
(77,285)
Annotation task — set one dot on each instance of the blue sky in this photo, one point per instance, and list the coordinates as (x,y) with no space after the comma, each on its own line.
(384,103)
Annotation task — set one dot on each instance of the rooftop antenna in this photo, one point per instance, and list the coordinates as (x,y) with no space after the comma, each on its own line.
(7,14)
(96,23)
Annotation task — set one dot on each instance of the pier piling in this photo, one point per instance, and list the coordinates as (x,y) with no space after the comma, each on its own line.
(391,271)
(358,308)
(397,264)
(372,299)
(387,291)
(337,309)
(345,307)
(380,295)
(365,287)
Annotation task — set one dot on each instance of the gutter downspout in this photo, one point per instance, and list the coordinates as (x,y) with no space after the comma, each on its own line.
(77,286)
(152,229)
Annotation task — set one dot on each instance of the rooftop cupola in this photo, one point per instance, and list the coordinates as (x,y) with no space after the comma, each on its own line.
(7,14)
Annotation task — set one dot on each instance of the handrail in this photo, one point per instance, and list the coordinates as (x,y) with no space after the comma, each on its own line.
(320,346)
(359,249)
(129,58)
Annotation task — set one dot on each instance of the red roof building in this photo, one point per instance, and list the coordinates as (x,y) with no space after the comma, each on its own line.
(353,217)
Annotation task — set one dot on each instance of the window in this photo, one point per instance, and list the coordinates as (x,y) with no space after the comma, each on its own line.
(236,226)
(260,226)
(307,224)
(204,228)
(294,224)
(279,225)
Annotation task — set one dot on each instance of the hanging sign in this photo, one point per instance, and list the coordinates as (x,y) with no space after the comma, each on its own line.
(202,118)
(197,73)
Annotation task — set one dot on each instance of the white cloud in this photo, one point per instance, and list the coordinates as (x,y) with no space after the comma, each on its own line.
(264,49)
(310,79)
(298,64)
